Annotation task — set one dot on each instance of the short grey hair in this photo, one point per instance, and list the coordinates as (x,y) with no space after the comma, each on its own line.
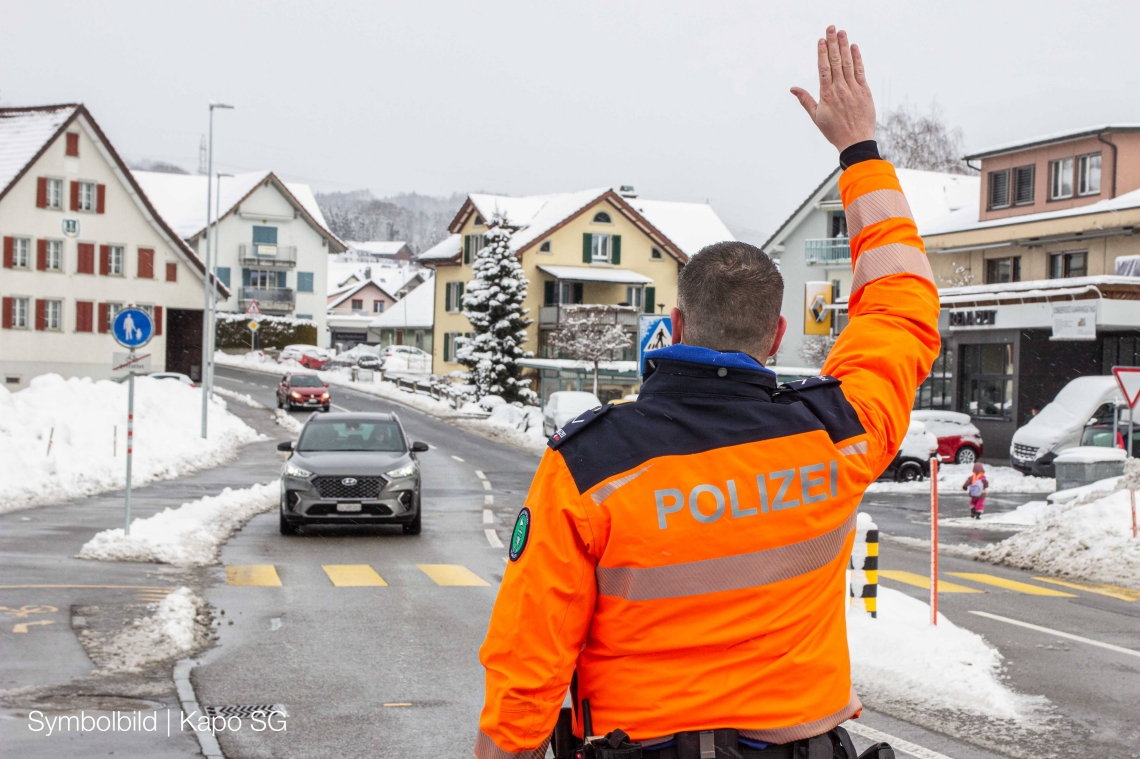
(730,294)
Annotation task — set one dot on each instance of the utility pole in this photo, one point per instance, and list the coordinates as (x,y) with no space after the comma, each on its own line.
(211,283)
(214,274)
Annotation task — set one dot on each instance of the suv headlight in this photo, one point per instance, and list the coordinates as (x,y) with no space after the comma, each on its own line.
(295,471)
(404,471)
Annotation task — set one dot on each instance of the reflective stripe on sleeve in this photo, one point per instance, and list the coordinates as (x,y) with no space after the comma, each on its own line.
(895,258)
(605,491)
(875,206)
(486,748)
(747,570)
(854,448)
(808,729)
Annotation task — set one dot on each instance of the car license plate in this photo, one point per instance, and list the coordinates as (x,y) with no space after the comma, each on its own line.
(348,507)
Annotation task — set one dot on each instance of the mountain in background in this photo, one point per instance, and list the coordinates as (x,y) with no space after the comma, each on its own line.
(420,220)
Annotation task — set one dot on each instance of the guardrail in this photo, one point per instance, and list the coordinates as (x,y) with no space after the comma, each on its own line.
(270,255)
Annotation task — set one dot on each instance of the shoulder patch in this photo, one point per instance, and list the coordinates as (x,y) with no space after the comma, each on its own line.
(809,382)
(578,424)
(520,534)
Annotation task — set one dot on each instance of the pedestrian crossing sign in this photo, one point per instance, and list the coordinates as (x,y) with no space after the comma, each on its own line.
(654,331)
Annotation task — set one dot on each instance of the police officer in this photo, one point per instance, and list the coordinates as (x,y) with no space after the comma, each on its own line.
(682,558)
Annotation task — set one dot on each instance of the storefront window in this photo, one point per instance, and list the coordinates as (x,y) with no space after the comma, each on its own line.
(1120,350)
(987,380)
(935,391)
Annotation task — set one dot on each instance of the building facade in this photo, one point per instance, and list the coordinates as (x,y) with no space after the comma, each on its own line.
(81,240)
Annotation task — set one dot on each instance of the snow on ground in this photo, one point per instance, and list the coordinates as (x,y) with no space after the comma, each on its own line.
(188,536)
(286,420)
(900,658)
(179,625)
(1088,537)
(86,422)
(245,398)
(1002,479)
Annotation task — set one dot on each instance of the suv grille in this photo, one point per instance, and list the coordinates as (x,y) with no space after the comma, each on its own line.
(332,486)
(1024,452)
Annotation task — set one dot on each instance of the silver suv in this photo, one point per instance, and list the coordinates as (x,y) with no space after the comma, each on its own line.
(351,468)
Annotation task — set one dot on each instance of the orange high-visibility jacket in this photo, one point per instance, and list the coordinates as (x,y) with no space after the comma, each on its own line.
(686,553)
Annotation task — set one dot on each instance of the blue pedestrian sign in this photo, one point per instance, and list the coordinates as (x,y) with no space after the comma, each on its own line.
(653,331)
(132,328)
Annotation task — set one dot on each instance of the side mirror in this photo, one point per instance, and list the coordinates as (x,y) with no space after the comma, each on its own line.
(418,447)
(285,446)
(326,384)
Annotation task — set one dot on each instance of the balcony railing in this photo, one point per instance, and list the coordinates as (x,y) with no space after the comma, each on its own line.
(275,298)
(552,316)
(828,251)
(279,256)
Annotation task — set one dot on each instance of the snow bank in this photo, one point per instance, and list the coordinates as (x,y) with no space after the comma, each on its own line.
(180,624)
(1002,479)
(1090,454)
(88,445)
(900,658)
(244,398)
(188,536)
(408,364)
(286,420)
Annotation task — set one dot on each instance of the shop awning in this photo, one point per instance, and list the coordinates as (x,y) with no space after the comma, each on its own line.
(597,274)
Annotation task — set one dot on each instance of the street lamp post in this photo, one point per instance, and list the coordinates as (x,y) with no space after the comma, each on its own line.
(213,335)
(211,282)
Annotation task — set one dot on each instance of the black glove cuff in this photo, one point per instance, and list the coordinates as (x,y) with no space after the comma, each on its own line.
(867,150)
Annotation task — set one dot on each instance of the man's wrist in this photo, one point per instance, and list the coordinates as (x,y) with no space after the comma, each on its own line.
(867,150)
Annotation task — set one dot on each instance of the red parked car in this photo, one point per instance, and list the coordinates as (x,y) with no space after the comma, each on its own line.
(959,441)
(303,391)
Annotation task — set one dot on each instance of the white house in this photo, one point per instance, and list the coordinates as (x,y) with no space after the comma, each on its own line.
(273,245)
(81,240)
(377,250)
(812,245)
(408,321)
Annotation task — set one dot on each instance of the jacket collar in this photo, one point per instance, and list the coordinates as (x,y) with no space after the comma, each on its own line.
(706,363)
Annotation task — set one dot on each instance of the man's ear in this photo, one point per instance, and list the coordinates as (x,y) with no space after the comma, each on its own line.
(781,328)
(678,320)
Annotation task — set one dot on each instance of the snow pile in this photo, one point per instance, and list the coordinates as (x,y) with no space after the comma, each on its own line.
(258,361)
(188,536)
(414,363)
(86,422)
(527,420)
(244,398)
(286,420)
(1084,539)
(180,625)
(1002,479)
(1090,454)
(901,659)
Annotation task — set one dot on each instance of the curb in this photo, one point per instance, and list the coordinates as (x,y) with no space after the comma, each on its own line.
(189,700)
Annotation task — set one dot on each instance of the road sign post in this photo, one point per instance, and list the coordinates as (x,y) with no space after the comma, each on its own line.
(132,328)
(1128,377)
(934,540)
(253,325)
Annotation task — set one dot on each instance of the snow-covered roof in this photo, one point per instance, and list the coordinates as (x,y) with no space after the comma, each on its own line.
(23,133)
(597,274)
(1047,139)
(449,248)
(353,289)
(966,219)
(388,277)
(691,226)
(377,247)
(414,310)
(181,198)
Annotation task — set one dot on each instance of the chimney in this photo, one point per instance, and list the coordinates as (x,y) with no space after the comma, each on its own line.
(627,191)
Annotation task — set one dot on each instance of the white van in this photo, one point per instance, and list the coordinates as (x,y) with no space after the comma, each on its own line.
(1061,423)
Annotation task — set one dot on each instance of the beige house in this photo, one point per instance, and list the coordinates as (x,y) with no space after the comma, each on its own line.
(597,246)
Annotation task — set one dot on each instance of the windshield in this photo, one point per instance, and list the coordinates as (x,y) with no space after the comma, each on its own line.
(352,435)
(307,381)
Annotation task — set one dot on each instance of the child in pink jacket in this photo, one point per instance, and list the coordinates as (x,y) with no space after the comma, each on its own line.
(976,485)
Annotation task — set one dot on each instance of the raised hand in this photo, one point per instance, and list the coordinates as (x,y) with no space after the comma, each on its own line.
(845,112)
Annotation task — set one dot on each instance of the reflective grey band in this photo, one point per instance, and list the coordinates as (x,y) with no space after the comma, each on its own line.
(746,570)
(807,729)
(605,491)
(485,748)
(874,207)
(895,258)
(854,448)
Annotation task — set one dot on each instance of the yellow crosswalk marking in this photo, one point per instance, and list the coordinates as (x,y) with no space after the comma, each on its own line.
(1124,594)
(922,581)
(1020,587)
(252,574)
(452,574)
(352,575)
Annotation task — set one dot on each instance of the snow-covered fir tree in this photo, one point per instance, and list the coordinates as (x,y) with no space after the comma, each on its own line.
(592,333)
(493,304)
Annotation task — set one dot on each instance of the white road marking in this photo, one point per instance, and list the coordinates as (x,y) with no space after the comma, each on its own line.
(488,517)
(480,475)
(275,623)
(1058,633)
(898,744)
(230,379)
(493,538)
(488,500)
(457,458)
(486,484)
(338,408)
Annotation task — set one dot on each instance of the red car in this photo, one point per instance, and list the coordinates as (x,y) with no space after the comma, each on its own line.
(959,441)
(303,391)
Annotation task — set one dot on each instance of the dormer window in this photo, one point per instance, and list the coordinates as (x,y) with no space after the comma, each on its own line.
(478,220)
(545,247)
(601,217)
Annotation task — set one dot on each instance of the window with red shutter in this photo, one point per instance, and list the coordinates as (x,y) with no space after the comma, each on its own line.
(6,304)
(86,258)
(104,260)
(73,143)
(104,317)
(146,263)
(41,255)
(157,320)
(74,196)
(41,192)
(100,197)
(172,272)
(41,314)
(83,315)
(9,252)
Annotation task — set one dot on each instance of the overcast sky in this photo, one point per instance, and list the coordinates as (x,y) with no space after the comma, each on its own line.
(686,101)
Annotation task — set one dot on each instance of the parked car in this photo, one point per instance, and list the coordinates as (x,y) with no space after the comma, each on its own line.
(1062,422)
(308,356)
(563,406)
(351,468)
(174,376)
(303,391)
(959,441)
(912,462)
(1102,435)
